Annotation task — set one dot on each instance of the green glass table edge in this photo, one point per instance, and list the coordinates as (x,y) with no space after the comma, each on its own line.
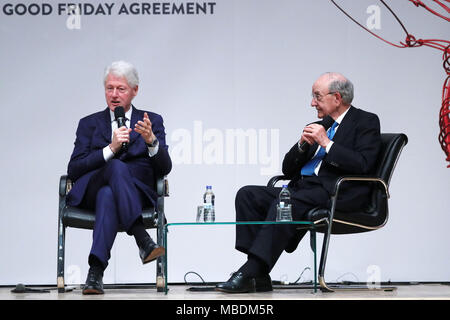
(310,224)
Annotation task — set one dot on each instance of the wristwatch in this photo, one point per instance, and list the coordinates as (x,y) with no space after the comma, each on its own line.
(153,144)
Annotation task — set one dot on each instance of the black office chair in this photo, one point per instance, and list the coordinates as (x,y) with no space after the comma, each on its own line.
(372,217)
(85,219)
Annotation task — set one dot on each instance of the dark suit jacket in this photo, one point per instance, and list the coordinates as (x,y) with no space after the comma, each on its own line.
(356,145)
(94,133)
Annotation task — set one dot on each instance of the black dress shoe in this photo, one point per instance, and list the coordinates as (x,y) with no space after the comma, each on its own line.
(94,282)
(149,251)
(240,283)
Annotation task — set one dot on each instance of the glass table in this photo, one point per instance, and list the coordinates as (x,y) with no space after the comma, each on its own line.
(307,225)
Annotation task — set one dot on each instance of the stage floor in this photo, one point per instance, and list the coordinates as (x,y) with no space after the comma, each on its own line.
(181,292)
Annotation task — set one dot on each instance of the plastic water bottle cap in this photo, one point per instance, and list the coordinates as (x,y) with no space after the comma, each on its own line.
(284,185)
(208,187)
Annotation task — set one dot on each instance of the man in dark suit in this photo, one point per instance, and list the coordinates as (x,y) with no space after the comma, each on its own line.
(118,180)
(350,146)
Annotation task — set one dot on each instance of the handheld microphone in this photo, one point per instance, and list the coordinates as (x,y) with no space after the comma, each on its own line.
(119,114)
(327,122)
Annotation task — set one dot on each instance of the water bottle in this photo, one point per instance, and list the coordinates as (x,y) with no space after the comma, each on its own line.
(208,205)
(284,207)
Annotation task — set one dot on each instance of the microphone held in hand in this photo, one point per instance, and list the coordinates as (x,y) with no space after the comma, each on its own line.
(119,114)
(327,122)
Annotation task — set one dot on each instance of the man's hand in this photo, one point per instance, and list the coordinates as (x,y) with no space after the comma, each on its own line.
(120,135)
(315,133)
(144,128)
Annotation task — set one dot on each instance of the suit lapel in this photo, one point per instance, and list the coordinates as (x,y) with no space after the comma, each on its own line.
(104,123)
(136,115)
(345,126)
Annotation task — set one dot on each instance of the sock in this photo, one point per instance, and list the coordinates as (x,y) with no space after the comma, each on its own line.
(139,232)
(254,267)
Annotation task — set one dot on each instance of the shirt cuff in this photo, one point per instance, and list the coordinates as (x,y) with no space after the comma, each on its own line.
(152,151)
(327,149)
(107,153)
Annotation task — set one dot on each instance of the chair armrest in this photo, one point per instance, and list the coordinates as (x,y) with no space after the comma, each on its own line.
(62,185)
(162,187)
(65,184)
(275,179)
(359,179)
(339,181)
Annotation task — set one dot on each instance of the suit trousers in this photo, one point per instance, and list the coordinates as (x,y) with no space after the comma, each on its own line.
(117,202)
(258,203)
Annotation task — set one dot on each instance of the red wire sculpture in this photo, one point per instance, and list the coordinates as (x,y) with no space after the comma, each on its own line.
(443,45)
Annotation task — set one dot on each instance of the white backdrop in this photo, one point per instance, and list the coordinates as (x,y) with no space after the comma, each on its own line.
(241,69)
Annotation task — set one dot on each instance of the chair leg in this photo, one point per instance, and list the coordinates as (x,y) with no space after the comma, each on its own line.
(60,257)
(324,287)
(160,279)
(323,259)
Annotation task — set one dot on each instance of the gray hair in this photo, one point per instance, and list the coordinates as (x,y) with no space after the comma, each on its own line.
(341,84)
(123,69)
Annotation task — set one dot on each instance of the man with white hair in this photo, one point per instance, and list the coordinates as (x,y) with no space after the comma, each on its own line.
(115,181)
(313,165)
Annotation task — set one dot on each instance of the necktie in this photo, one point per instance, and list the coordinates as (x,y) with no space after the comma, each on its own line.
(308,168)
(115,125)
(120,154)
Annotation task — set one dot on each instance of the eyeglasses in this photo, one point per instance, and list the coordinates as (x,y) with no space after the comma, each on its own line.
(319,97)
(121,90)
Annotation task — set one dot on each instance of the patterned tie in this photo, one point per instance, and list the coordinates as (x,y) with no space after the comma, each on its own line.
(308,168)
(115,125)
(122,152)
